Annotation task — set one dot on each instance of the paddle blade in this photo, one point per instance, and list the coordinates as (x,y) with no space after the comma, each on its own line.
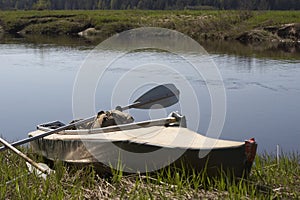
(161,96)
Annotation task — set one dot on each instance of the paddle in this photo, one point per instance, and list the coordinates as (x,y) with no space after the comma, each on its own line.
(163,95)
(39,166)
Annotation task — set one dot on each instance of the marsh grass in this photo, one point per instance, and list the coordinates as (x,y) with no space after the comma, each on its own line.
(268,180)
(195,23)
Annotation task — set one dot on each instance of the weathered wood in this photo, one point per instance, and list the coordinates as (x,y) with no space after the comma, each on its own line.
(22,155)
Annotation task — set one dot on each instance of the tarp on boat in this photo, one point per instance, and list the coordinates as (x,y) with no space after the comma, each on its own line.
(175,137)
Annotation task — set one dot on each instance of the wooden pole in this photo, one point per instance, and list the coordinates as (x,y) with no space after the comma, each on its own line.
(15,150)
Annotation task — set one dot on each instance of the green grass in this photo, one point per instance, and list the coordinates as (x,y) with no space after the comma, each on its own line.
(274,18)
(197,24)
(268,180)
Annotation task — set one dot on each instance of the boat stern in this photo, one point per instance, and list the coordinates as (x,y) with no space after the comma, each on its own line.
(250,152)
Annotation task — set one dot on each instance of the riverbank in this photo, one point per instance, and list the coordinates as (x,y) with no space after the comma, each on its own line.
(270,178)
(244,26)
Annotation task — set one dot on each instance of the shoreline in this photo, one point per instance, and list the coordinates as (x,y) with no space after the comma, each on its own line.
(248,27)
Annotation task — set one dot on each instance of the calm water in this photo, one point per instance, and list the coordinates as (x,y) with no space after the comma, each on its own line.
(263,92)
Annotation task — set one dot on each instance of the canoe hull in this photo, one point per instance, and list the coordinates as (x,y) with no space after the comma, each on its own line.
(132,157)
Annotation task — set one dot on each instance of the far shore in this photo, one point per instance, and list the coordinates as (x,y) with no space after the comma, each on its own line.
(244,26)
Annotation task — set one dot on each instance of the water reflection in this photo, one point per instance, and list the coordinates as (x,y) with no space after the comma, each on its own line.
(40,41)
(278,51)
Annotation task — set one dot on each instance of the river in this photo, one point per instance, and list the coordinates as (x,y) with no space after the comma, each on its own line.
(262,88)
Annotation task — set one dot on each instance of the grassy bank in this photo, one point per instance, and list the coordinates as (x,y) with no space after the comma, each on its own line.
(268,180)
(197,24)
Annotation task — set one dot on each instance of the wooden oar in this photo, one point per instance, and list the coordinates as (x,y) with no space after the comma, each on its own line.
(163,95)
(22,155)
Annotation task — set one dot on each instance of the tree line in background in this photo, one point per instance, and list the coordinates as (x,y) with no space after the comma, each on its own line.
(150,4)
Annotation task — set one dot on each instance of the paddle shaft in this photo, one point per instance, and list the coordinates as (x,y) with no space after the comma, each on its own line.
(24,141)
(22,155)
(133,105)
